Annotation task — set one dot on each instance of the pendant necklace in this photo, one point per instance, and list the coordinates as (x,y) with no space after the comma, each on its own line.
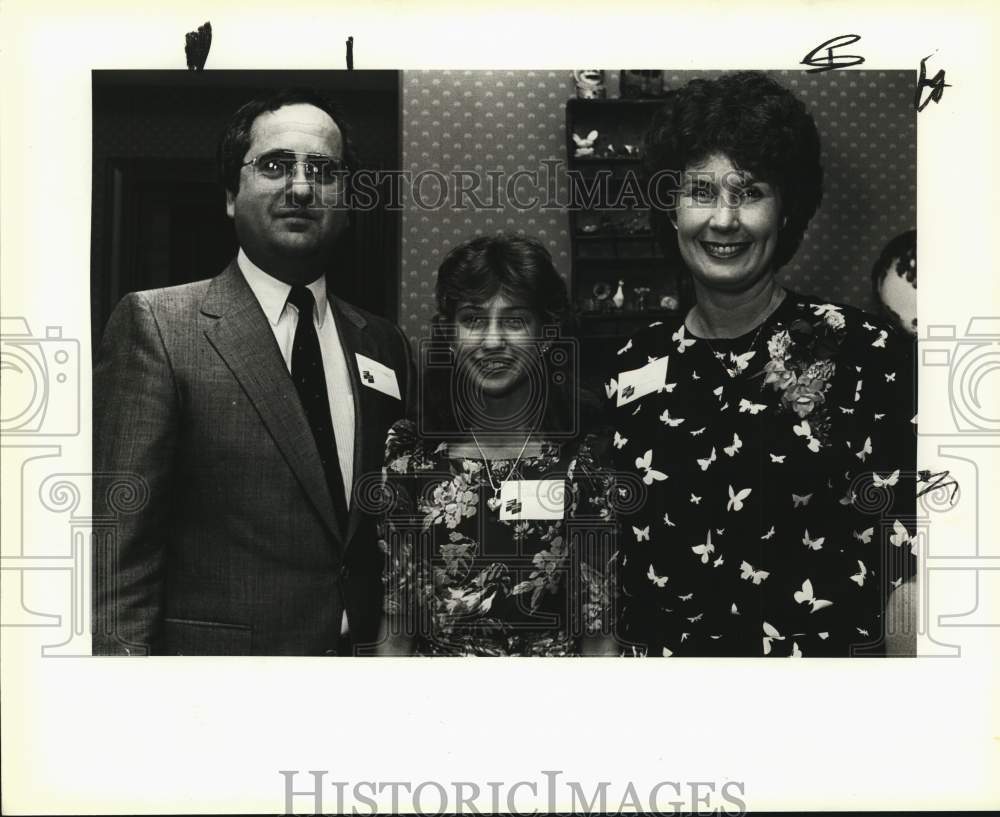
(494,503)
(741,362)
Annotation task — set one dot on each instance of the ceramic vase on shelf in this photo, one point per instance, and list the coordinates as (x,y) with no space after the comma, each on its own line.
(619,297)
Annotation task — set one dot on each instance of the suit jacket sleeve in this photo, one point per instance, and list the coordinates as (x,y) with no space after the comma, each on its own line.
(409,391)
(136,410)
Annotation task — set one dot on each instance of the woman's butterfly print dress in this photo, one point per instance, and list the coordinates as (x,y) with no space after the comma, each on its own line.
(779,469)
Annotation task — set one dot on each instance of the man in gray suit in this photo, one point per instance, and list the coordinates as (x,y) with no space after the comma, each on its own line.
(249,406)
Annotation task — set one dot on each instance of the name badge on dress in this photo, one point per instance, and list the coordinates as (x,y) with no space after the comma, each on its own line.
(377,376)
(532,499)
(637,383)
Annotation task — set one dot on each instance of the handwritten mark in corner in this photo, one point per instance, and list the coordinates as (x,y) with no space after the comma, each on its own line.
(831,61)
(936,84)
(196,47)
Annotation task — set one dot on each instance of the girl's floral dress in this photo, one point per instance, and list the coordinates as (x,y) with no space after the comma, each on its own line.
(463,582)
(778,472)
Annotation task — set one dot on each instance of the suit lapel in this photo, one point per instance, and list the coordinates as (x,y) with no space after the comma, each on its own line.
(243,338)
(367,448)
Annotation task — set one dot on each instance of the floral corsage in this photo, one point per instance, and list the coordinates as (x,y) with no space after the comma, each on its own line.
(802,365)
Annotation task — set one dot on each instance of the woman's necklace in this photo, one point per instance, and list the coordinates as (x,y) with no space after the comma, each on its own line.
(494,503)
(739,362)
(742,361)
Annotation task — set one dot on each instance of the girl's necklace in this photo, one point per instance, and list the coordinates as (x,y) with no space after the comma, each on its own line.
(494,503)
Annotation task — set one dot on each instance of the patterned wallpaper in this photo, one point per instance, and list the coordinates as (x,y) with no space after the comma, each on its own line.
(482,121)
(868,128)
(511,120)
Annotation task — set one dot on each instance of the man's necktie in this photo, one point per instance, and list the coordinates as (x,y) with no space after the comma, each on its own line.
(307,373)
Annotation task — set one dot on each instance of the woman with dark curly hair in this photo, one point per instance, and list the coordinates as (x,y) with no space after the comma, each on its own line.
(772,430)
(491,489)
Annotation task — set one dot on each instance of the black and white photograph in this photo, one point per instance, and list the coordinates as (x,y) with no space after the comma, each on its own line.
(348,357)
(468,471)
(244,432)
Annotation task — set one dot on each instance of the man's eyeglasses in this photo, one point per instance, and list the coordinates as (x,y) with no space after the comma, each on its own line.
(279,165)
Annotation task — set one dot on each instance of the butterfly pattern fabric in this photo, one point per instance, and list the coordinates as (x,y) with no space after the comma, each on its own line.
(777,528)
(464,582)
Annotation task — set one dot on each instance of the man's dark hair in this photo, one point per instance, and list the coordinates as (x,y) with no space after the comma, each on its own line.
(235,139)
(760,126)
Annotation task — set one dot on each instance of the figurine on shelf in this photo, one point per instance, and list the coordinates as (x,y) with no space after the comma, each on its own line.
(589,83)
(619,298)
(585,144)
(640,84)
(602,295)
(636,224)
(612,152)
(641,296)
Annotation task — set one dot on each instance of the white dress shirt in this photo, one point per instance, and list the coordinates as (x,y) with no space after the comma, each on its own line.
(272,295)
(284,317)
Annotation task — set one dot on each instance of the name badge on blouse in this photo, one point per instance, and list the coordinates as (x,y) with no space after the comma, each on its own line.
(637,383)
(377,376)
(532,499)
